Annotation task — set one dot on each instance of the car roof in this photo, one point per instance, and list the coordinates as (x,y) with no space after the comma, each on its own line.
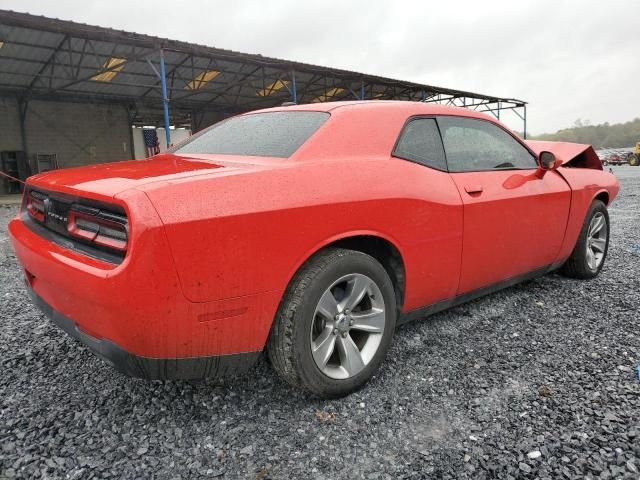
(410,108)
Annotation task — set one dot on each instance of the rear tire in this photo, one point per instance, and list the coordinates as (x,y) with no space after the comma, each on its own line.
(590,251)
(634,160)
(334,324)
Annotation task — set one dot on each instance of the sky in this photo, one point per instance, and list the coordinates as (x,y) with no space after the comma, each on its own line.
(569,59)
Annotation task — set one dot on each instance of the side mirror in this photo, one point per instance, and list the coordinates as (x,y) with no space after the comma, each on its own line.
(547,161)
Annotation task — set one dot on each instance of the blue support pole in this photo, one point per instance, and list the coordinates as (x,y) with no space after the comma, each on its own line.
(361,89)
(294,88)
(165,100)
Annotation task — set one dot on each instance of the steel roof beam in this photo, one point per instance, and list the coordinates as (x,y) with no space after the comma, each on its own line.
(77,30)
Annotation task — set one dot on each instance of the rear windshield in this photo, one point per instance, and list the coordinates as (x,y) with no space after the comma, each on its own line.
(269,134)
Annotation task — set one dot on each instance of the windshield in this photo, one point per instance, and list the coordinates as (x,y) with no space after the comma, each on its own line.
(269,134)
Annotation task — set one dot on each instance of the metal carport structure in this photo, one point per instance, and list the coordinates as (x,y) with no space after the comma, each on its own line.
(163,81)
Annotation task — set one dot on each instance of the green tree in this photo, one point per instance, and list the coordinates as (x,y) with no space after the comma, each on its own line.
(604,135)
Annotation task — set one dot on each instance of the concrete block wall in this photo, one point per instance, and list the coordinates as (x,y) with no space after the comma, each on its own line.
(10,138)
(79,133)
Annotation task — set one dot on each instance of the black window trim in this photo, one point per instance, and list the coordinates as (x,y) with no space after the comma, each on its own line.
(510,133)
(394,151)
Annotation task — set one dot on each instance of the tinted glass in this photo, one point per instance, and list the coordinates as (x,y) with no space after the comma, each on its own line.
(272,134)
(478,145)
(420,142)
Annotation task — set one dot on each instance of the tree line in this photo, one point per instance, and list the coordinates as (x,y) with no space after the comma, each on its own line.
(618,135)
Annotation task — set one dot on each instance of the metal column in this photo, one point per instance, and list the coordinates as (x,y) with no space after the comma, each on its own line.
(165,100)
(361,89)
(294,88)
(131,113)
(23,105)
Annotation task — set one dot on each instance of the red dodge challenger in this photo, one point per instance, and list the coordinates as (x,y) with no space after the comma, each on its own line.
(309,232)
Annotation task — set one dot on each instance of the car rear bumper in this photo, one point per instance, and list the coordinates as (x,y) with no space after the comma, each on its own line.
(137,308)
(146,367)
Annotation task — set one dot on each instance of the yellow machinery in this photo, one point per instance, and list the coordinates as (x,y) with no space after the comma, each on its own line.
(634,158)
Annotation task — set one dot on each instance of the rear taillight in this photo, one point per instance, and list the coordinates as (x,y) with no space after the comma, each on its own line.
(35,205)
(102,228)
(93,228)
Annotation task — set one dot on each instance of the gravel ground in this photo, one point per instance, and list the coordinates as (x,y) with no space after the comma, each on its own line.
(537,381)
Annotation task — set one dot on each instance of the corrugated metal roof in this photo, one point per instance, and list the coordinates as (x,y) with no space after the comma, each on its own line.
(45,57)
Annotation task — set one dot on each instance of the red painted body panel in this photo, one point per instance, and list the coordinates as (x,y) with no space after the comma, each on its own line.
(256,247)
(516,224)
(585,186)
(139,304)
(103,181)
(214,240)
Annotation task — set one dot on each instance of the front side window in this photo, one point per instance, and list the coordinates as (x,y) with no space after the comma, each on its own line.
(473,145)
(420,142)
(269,134)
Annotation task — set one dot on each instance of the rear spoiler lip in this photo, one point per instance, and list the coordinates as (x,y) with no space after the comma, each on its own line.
(566,151)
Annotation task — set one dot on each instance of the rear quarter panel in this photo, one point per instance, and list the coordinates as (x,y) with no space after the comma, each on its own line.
(227,243)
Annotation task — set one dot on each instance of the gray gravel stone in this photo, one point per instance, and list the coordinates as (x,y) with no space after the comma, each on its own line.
(535,367)
(524,467)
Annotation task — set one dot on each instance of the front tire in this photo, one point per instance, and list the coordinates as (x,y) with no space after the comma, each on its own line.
(590,252)
(335,323)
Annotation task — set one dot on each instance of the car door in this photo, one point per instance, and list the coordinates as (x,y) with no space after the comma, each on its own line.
(514,221)
(432,254)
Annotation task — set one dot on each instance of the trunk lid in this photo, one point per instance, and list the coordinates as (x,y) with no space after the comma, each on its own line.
(109,179)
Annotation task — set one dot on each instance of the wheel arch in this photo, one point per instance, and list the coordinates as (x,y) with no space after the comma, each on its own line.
(603,196)
(384,249)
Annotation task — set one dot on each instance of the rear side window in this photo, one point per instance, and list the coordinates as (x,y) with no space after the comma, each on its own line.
(269,134)
(473,145)
(420,142)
